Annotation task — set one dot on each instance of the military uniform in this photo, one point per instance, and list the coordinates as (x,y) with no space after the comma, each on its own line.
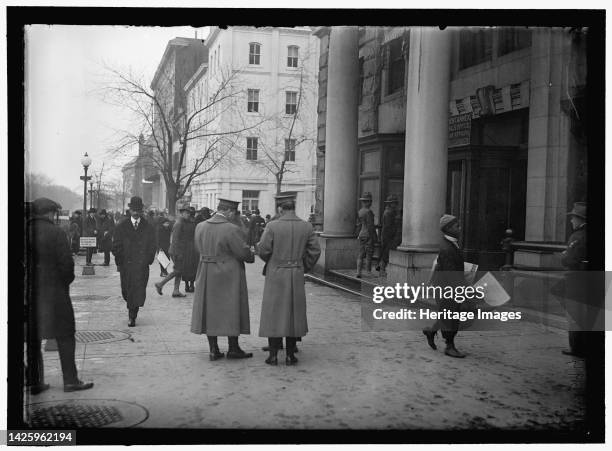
(388,232)
(367,235)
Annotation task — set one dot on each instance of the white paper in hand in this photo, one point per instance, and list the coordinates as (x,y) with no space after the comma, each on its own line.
(469,272)
(495,295)
(163,259)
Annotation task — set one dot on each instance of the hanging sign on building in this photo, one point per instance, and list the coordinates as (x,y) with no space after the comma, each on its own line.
(459,130)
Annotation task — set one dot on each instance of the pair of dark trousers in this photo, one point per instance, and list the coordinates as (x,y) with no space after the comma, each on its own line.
(133,312)
(90,252)
(66,348)
(107,257)
(275,343)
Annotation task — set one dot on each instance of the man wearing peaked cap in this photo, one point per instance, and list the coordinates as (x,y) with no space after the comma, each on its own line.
(388,232)
(448,272)
(50,271)
(221,302)
(134,247)
(366,234)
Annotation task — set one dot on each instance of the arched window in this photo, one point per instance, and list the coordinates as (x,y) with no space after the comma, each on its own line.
(254,53)
(292,56)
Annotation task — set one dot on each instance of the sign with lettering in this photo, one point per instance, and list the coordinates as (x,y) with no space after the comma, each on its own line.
(459,130)
(88,241)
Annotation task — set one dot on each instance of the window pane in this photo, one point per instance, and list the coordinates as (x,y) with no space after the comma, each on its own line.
(370,162)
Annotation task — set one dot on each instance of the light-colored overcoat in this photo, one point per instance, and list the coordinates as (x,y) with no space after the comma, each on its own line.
(221,302)
(290,248)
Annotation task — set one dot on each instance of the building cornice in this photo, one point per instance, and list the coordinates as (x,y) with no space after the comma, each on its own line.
(170,48)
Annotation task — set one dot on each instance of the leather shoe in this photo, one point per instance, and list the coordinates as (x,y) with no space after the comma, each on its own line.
(132,323)
(159,289)
(272,360)
(453,352)
(178,295)
(291,360)
(267,348)
(36,389)
(430,334)
(216,356)
(80,385)
(572,353)
(239,354)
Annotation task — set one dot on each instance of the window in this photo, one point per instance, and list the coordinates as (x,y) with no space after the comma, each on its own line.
(289,149)
(251,151)
(292,56)
(475,46)
(254,53)
(250,200)
(361,79)
(253,101)
(291,102)
(513,39)
(396,66)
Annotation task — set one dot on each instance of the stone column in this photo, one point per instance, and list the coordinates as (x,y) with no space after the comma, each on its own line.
(338,243)
(426,152)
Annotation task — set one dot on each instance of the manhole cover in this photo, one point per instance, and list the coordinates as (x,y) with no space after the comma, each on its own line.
(99,336)
(85,413)
(88,297)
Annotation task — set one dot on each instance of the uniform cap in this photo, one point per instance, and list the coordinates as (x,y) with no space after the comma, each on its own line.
(366,196)
(580,210)
(447,220)
(227,204)
(42,206)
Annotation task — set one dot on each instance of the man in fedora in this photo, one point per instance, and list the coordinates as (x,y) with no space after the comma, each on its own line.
(574,258)
(448,272)
(221,302)
(388,232)
(367,234)
(177,250)
(50,271)
(134,248)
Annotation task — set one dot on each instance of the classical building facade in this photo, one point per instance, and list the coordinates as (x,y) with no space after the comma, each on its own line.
(487,124)
(261,137)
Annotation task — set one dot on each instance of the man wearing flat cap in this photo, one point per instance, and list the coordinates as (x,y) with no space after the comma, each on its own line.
(448,272)
(134,248)
(366,234)
(290,248)
(221,302)
(50,271)
(574,259)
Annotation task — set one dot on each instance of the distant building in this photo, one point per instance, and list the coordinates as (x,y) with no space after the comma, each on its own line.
(272,75)
(487,124)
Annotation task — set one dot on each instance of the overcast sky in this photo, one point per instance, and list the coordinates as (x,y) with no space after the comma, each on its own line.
(66,116)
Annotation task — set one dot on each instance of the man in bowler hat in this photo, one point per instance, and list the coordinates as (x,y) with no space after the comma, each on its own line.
(134,248)
(50,271)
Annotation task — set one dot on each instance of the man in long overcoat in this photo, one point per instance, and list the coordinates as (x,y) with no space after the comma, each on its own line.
(448,272)
(91,229)
(50,271)
(107,228)
(256,226)
(134,250)
(221,303)
(290,248)
(388,232)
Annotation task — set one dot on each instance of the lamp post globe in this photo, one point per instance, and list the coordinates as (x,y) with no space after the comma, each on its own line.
(86,160)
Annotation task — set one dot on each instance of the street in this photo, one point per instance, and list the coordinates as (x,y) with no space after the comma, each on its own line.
(158,374)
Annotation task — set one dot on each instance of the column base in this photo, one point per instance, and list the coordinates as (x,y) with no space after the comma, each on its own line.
(410,265)
(337,252)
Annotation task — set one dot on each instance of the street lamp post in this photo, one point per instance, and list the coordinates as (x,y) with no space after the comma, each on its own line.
(86,162)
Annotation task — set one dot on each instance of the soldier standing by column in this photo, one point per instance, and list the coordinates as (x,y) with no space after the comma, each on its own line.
(134,250)
(389,224)
(221,302)
(367,234)
(290,248)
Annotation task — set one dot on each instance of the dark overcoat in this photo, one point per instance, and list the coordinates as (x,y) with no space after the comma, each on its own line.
(191,257)
(134,251)
(50,271)
(107,228)
(221,301)
(256,226)
(290,248)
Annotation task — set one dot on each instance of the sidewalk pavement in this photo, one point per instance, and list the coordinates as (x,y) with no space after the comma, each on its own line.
(345,378)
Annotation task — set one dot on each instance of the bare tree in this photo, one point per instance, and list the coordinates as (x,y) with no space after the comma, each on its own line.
(172,132)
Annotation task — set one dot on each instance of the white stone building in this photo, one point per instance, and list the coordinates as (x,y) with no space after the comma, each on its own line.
(264,113)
